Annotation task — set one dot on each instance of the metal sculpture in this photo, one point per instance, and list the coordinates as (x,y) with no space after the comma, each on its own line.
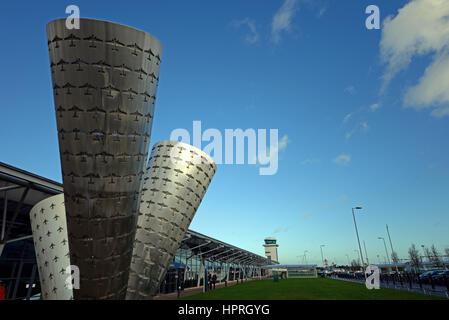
(48,223)
(174,185)
(105,79)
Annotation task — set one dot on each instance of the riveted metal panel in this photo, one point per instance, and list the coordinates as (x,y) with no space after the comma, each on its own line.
(174,185)
(104,78)
(49,226)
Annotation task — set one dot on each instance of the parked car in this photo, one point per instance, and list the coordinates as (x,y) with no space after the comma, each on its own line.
(440,275)
(428,274)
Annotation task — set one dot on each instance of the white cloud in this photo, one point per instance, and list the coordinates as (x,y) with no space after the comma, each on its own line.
(282,146)
(319,6)
(252,37)
(306,216)
(309,161)
(351,90)
(347,117)
(322,11)
(432,165)
(440,112)
(349,134)
(343,159)
(358,117)
(432,87)
(374,106)
(283,143)
(420,28)
(282,20)
(364,126)
(361,126)
(279,229)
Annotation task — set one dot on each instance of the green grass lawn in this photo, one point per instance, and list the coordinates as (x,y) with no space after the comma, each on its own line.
(306,289)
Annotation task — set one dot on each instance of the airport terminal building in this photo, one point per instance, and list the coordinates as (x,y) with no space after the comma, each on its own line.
(20,190)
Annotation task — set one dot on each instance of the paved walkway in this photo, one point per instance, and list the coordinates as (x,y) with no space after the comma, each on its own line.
(194,290)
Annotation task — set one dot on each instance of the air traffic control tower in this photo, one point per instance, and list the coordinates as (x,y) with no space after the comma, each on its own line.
(271,249)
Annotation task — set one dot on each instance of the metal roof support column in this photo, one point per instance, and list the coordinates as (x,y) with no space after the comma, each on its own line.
(5,207)
(10,282)
(16,286)
(185,267)
(240,270)
(221,271)
(200,274)
(205,284)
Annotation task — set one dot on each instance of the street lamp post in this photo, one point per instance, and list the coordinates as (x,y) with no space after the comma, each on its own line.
(322,258)
(305,257)
(386,251)
(349,263)
(358,256)
(392,251)
(366,253)
(357,233)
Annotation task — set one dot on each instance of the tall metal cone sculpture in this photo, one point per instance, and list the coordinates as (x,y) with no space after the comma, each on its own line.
(48,223)
(105,79)
(174,185)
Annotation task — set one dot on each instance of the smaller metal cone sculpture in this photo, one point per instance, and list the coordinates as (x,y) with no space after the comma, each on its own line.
(49,226)
(174,185)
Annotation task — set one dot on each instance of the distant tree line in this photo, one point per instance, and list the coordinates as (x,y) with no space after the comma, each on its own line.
(431,254)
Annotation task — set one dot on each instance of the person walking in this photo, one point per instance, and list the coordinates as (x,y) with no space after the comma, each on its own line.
(209,277)
(214,280)
(180,289)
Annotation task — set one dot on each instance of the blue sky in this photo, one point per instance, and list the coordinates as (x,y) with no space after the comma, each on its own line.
(363,113)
